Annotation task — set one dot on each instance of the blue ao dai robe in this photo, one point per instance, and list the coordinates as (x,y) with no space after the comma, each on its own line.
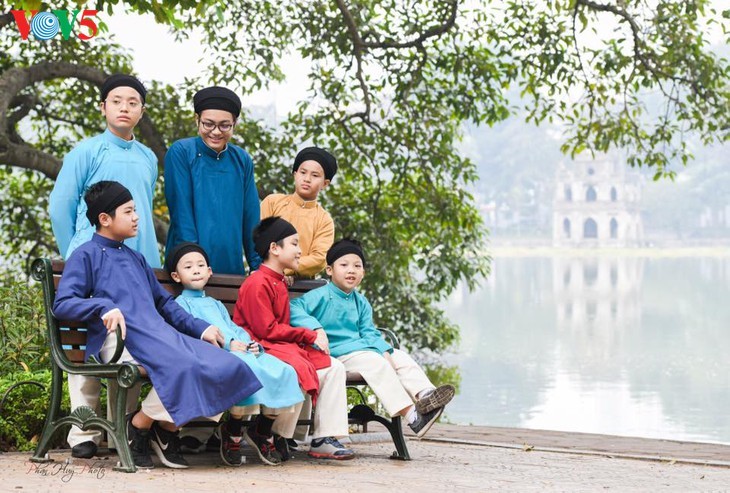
(193,378)
(213,202)
(104,157)
(281,388)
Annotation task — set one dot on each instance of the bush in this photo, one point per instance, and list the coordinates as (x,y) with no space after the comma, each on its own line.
(23,340)
(23,411)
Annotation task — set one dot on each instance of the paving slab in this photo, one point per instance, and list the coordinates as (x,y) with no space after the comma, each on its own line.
(495,461)
(617,446)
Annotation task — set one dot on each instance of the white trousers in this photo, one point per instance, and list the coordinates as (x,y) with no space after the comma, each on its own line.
(330,413)
(395,385)
(84,391)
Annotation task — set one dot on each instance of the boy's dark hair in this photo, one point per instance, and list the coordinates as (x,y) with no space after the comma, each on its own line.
(104,196)
(343,247)
(271,230)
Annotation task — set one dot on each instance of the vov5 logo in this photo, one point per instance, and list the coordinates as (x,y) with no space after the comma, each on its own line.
(46,25)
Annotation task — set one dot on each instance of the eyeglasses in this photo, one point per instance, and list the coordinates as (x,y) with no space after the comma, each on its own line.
(118,103)
(210,126)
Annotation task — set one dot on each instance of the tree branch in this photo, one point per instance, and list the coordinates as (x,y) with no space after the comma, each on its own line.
(6,19)
(31,158)
(42,112)
(152,138)
(14,80)
(359,45)
(24,103)
(643,57)
(431,32)
(357,49)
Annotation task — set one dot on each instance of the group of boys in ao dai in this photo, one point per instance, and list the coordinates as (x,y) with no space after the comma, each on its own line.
(276,358)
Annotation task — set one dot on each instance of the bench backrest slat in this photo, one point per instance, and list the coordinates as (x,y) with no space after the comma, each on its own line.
(223,287)
(72,337)
(75,355)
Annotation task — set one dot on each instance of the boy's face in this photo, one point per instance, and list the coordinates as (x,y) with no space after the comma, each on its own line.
(309,180)
(216,128)
(123,225)
(288,254)
(192,271)
(347,272)
(122,109)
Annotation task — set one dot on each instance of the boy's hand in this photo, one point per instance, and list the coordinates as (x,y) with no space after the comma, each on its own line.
(289,280)
(239,346)
(254,349)
(112,318)
(213,335)
(242,347)
(322,341)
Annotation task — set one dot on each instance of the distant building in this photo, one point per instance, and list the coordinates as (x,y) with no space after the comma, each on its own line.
(596,204)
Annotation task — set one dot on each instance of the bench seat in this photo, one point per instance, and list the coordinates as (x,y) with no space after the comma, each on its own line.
(67,340)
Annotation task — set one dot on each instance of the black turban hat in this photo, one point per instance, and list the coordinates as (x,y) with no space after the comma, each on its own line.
(324,158)
(342,248)
(122,80)
(271,230)
(113,195)
(179,252)
(217,98)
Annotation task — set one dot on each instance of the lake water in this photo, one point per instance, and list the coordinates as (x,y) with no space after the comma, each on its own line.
(616,345)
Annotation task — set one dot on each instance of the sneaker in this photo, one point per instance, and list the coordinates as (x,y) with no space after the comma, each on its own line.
(166,445)
(84,450)
(191,445)
(424,422)
(330,448)
(292,444)
(281,445)
(230,448)
(139,444)
(262,446)
(436,398)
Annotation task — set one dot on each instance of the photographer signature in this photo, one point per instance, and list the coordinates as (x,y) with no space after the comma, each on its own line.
(65,471)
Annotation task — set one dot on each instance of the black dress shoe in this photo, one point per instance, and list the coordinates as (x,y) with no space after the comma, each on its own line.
(84,450)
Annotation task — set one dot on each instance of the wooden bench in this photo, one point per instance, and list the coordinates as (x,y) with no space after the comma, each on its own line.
(67,355)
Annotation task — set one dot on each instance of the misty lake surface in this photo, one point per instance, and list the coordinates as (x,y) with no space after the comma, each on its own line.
(620,345)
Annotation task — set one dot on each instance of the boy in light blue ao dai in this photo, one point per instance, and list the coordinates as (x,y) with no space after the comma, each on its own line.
(279,400)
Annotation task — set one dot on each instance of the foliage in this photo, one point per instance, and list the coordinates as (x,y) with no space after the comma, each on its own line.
(24,410)
(23,339)
(391,85)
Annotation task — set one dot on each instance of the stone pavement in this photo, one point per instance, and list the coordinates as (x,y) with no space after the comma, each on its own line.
(494,459)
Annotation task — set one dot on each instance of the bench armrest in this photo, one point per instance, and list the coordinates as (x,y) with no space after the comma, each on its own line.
(390,336)
(117,352)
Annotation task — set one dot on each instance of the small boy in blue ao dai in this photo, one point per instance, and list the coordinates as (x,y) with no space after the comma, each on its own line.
(280,399)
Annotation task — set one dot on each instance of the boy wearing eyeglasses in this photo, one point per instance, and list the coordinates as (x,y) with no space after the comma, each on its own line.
(209,186)
(113,155)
